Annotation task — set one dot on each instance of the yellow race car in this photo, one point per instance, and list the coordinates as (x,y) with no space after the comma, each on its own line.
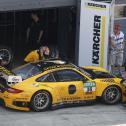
(50,83)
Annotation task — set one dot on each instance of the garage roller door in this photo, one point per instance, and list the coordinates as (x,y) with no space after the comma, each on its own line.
(10,5)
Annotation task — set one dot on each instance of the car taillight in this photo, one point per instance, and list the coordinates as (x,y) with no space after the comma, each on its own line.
(13,90)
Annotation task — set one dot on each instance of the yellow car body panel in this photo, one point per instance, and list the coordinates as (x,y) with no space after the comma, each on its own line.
(101,86)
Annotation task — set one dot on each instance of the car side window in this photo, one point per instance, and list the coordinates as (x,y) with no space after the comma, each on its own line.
(68,75)
(46,78)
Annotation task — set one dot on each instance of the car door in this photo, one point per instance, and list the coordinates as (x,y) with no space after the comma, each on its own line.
(49,81)
(70,83)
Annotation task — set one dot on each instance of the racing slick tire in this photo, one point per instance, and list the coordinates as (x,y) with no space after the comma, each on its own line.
(111,95)
(40,101)
(6,53)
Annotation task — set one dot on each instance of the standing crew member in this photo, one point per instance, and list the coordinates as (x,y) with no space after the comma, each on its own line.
(117,46)
(35,32)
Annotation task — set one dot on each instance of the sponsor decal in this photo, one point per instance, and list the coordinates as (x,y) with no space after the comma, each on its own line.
(95,5)
(59,66)
(20,99)
(89,87)
(5,71)
(89,97)
(70,98)
(96,39)
(14,79)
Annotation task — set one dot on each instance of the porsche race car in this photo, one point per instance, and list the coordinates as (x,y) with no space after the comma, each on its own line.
(46,84)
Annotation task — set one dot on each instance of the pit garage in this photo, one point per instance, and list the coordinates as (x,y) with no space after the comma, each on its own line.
(57,17)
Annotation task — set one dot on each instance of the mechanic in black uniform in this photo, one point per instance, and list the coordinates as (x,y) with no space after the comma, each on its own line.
(35,32)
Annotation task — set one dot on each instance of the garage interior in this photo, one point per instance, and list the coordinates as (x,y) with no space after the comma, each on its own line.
(59,30)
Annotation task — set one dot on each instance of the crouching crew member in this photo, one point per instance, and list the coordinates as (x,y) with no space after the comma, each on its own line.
(36,55)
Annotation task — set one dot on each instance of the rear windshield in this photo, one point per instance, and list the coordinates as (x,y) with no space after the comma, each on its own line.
(28,71)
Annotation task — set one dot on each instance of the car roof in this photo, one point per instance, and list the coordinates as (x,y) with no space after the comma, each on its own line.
(52,64)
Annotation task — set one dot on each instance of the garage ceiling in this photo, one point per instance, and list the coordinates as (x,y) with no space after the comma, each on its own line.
(10,5)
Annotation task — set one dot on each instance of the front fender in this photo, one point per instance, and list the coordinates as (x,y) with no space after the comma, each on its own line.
(100,87)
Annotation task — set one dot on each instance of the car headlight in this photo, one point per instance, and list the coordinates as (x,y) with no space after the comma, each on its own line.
(123,82)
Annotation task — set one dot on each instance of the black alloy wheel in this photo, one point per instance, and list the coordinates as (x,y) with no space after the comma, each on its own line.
(111,95)
(41,101)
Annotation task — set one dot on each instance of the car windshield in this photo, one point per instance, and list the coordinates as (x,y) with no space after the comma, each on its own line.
(97,74)
(27,71)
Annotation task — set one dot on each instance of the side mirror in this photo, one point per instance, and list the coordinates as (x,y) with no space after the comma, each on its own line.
(85,80)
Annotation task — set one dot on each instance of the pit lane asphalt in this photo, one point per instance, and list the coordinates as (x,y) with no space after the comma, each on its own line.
(93,115)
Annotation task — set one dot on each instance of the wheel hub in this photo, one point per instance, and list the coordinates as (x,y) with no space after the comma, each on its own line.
(41,100)
(112,94)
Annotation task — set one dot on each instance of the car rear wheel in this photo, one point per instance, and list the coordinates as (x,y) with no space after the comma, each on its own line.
(111,95)
(41,101)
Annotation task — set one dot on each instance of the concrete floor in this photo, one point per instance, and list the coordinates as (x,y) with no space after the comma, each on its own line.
(94,115)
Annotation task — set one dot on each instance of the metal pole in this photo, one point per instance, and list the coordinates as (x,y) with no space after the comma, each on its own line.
(14,32)
(77,31)
(112,15)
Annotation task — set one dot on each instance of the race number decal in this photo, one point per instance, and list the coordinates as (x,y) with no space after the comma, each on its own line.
(89,87)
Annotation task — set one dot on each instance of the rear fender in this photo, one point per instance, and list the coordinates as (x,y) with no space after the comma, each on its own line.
(54,93)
